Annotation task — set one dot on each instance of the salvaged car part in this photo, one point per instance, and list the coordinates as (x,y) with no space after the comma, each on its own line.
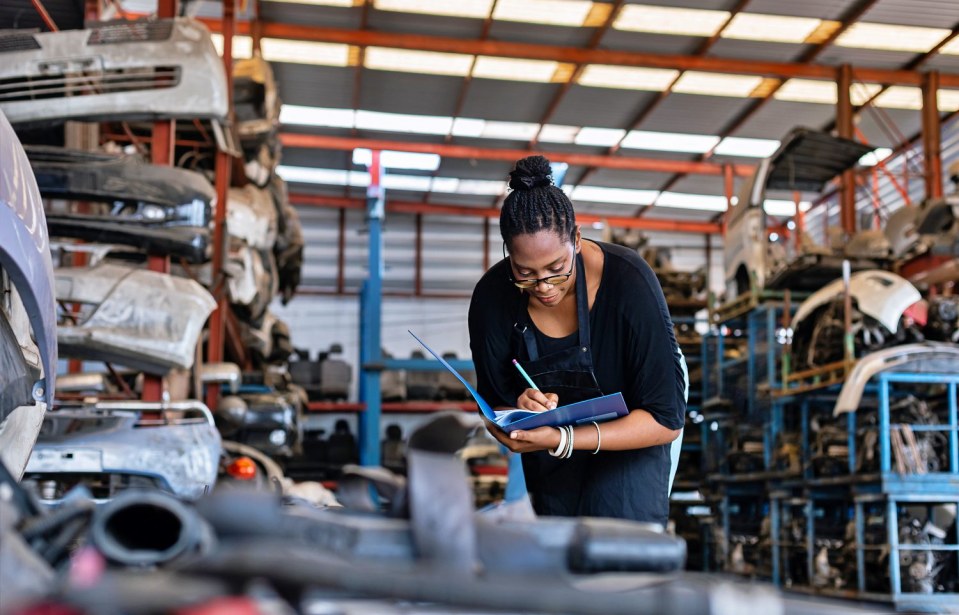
(28,344)
(255,99)
(879,300)
(148,528)
(288,249)
(927,357)
(805,161)
(141,319)
(103,198)
(112,446)
(251,216)
(127,70)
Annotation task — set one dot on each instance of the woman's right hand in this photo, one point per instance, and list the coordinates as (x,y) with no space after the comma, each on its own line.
(537,401)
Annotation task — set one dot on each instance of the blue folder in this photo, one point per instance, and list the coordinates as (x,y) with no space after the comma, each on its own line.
(597,409)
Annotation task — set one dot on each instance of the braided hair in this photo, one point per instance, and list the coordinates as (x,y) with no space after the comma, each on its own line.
(535,204)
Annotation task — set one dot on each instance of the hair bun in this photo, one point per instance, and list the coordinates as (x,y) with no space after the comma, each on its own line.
(531,172)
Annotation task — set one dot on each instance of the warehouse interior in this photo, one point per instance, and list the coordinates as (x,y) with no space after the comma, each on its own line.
(221,221)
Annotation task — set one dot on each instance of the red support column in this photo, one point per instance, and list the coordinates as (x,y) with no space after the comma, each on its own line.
(222,170)
(931,135)
(844,126)
(728,189)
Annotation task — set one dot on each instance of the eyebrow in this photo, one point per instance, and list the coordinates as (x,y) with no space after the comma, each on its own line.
(558,261)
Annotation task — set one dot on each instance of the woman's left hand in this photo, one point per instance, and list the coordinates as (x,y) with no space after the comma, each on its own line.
(520,441)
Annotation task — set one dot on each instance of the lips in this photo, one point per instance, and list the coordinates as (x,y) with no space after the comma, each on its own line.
(547,300)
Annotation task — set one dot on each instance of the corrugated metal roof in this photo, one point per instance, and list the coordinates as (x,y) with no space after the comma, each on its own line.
(310,15)
(508,101)
(615,178)
(323,159)
(474,169)
(314,86)
(393,92)
(602,107)
(872,58)
(539,34)
(699,184)
(822,9)
(928,13)
(692,114)
(944,63)
(777,117)
(675,213)
(750,50)
(652,43)
(874,124)
(450,27)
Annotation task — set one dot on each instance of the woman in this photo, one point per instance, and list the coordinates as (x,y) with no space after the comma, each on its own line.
(584,319)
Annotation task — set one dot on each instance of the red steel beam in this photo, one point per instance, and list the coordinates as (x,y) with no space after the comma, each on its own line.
(434,209)
(931,136)
(627,163)
(575,55)
(45,16)
(844,127)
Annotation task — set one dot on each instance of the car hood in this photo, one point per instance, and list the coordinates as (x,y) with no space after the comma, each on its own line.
(879,294)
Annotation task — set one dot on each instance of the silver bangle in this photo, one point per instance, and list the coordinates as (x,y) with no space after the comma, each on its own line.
(599,437)
(569,453)
(561,447)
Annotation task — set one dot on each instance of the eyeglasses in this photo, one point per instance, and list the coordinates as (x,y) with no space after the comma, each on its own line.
(552,280)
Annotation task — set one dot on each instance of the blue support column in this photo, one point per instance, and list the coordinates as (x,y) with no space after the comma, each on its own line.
(371,307)
(892,527)
(884,447)
(851,441)
(776,534)
(953,431)
(860,548)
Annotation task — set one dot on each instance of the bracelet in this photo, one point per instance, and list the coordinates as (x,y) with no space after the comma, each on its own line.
(561,448)
(569,453)
(599,437)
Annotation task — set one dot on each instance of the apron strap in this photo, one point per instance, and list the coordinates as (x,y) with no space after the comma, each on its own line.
(523,325)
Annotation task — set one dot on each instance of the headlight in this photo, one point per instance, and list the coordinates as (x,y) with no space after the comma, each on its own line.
(154,213)
(277,437)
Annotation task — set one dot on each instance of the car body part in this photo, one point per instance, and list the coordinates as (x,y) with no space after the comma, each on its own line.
(251,216)
(141,319)
(805,160)
(103,198)
(255,99)
(28,343)
(113,446)
(126,70)
(879,301)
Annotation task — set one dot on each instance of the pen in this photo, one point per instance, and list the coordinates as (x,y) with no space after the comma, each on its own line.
(525,375)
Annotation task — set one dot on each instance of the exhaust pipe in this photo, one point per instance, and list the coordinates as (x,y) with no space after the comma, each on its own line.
(148,528)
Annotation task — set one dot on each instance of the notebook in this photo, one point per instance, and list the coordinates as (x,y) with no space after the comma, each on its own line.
(597,409)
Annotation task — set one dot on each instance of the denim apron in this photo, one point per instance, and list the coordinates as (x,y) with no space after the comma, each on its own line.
(556,484)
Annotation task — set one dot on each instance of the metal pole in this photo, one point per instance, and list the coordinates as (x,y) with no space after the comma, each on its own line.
(371,321)
(844,126)
(931,135)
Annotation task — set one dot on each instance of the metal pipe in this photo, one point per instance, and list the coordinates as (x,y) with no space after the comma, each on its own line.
(626,163)
(45,16)
(844,126)
(931,136)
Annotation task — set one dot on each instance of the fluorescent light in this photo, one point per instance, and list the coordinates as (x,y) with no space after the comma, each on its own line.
(398,160)
(948,100)
(824,92)
(605,137)
(337,3)
(665,20)
(549,12)
(555,133)
(741,146)
(468,127)
(510,69)
(242,46)
(772,28)
(308,175)
(413,183)
(317,116)
(679,200)
(871,159)
(476,9)
(625,196)
(444,184)
(669,141)
(487,187)
(777,207)
(891,37)
(422,62)
(515,131)
(627,77)
(900,97)
(305,52)
(712,84)
(399,122)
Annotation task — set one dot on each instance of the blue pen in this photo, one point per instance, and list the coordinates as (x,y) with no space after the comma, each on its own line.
(525,375)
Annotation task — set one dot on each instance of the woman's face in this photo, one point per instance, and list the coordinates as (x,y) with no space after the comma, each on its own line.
(544,255)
